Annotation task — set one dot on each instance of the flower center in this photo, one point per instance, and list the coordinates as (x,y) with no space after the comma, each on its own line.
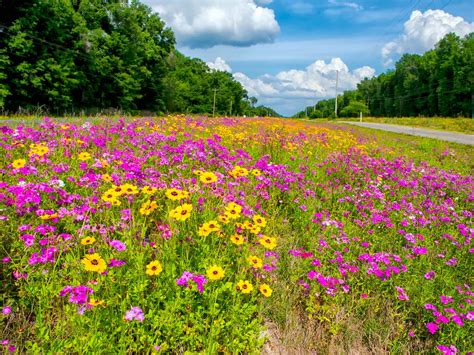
(94,262)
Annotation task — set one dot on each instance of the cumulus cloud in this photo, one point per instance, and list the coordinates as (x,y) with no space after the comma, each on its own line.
(422,31)
(219,64)
(318,80)
(207,23)
(290,90)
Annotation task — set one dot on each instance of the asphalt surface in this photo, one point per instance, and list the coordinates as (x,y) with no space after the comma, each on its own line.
(422,132)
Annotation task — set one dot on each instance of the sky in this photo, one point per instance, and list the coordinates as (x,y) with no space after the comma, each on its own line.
(286,52)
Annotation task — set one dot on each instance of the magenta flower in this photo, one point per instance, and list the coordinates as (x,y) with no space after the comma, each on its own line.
(117,245)
(135,313)
(186,277)
(447,350)
(402,294)
(432,327)
(6,310)
(77,295)
(429,275)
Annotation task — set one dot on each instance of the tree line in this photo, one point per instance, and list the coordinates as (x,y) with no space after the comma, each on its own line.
(438,83)
(66,56)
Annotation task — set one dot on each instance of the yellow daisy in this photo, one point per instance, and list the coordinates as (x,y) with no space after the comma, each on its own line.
(154,268)
(87,240)
(84,156)
(94,263)
(19,163)
(244,286)
(265,290)
(215,273)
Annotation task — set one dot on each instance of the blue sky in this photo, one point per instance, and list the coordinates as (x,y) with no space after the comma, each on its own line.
(286,52)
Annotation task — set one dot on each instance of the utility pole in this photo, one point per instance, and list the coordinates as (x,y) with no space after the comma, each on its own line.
(214,105)
(337,82)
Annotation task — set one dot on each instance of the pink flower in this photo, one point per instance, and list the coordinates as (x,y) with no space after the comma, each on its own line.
(430,275)
(447,350)
(402,294)
(432,327)
(135,313)
(6,310)
(117,245)
(446,299)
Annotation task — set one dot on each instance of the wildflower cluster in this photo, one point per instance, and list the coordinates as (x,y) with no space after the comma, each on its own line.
(178,234)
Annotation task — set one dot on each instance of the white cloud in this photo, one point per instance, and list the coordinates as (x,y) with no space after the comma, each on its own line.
(206,23)
(317,81)
(301,7)
(351,5)
(422,31)
(219,64)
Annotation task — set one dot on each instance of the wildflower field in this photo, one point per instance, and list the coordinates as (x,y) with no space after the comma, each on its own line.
(195,235)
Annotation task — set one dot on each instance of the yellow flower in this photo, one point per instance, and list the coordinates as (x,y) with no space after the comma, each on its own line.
(256,172)
(223,218)
(148,207)
(87,240)
(244,286)
(115,202)
(238,171)
(38,149)
(175,194)
(181,213)
(19,163)
(47,217)
(108,196)
(232,210)
(232,206)
(129,189)
(198,172)
(213,226)
(93,302)
(204,231)
(268,242)
(265,290)
(255,230)
(148,190)
(106,177)
(84,156)
(117,190)
(215,273)
(259,221)
(93,262)
(207,178)
(154,268)
(255,261)
(237,239)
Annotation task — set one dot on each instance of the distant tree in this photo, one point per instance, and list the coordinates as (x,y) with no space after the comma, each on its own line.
(438,83)
(354,109)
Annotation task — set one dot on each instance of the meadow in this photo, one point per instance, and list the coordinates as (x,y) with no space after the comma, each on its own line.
(232,235)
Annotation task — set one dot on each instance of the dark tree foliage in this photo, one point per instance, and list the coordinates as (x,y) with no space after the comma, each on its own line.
(438,83)
(68,56)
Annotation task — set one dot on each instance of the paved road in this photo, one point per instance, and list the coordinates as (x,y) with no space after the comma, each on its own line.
(422,132)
